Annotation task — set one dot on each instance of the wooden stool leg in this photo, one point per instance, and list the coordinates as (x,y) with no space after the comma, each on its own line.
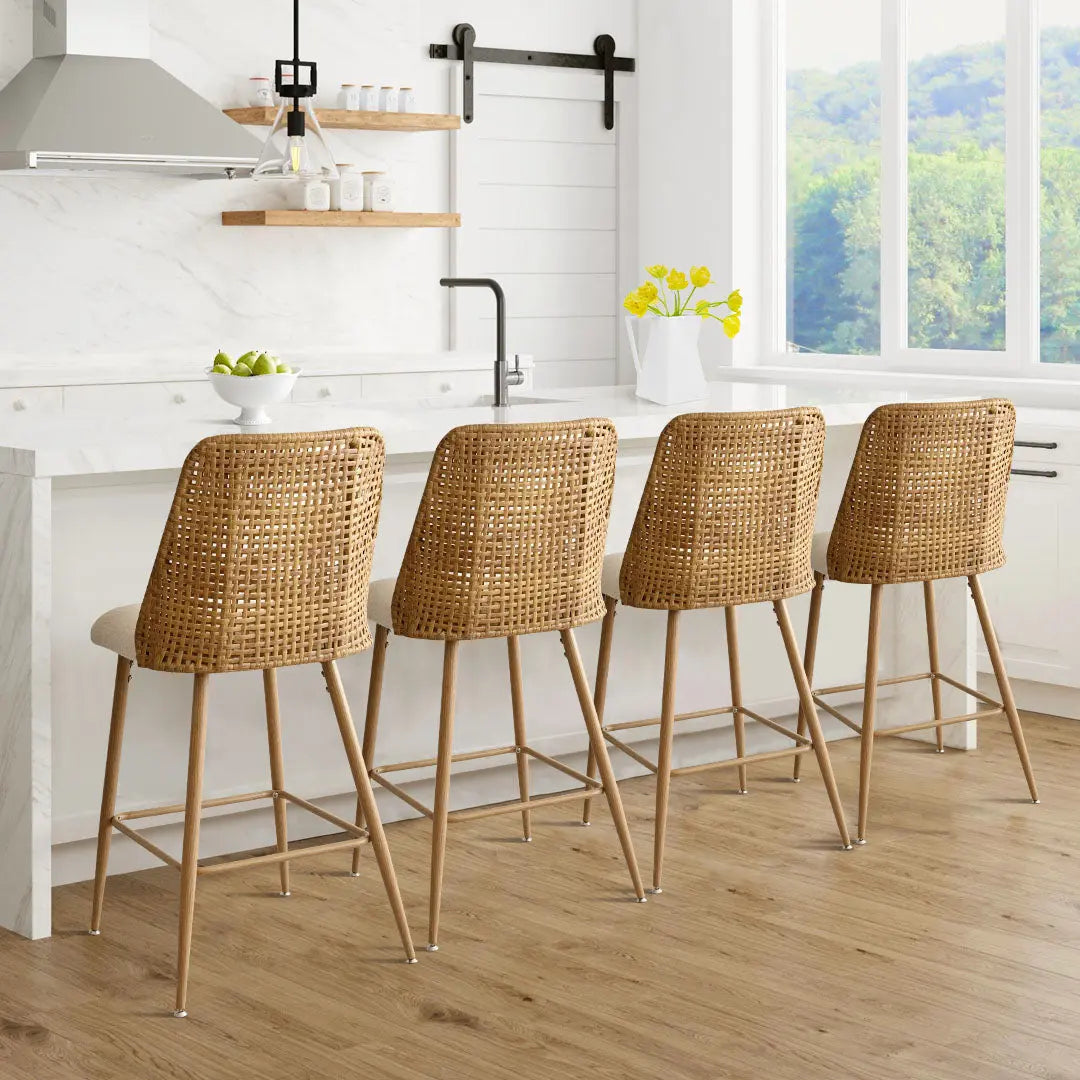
(442,791)
(935,663)
(358,767)
(603,761)
(1004,686)
(667,738)
(517,699)
(810,656)
(371,719)
(735,672)
(277,769)
(189,863)
(603,666)
(108,794)
(809,709)
(869,709)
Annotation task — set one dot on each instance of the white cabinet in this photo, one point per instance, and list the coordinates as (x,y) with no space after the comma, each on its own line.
(1035,598)
(34,400)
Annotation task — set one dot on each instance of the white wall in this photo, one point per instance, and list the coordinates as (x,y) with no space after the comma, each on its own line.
(141,265)
(701,131)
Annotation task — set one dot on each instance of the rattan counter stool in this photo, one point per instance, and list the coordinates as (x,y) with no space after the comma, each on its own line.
(726,519)
(508,540)
(925,501)
(264,563)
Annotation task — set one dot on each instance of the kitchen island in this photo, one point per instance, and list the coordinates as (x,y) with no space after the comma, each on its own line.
(82,503)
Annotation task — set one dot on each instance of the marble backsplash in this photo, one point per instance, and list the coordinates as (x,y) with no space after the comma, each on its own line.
(141,265)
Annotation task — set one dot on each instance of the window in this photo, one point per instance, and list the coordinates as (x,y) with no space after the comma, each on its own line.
(915,134)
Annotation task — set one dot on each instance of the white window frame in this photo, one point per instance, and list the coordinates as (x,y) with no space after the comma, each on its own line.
(1022,354)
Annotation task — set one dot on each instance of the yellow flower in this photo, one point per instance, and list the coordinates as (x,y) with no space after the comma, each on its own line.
(700,276)
(732,325)
(735,301)
(635,305)
(648,292)
(703,309)
(676,280)
(656,271)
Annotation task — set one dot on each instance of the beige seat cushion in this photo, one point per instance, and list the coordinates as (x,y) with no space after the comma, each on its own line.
(380,602)
(819,553)
(115,630)
(609,581)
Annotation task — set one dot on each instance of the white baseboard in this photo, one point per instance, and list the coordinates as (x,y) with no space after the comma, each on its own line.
(1038,697)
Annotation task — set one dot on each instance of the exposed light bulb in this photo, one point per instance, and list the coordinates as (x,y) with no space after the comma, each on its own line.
(297,161)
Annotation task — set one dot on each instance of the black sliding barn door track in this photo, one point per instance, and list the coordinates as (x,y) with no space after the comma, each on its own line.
(464,48)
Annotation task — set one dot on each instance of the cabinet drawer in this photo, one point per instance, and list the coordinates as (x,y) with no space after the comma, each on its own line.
(428,384)
(39,400)
(329,388)
(132,399)
(1041,444)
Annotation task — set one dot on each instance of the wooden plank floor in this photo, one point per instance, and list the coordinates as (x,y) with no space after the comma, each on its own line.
(948,947)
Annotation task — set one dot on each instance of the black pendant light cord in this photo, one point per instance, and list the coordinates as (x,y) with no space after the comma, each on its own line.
(296,122)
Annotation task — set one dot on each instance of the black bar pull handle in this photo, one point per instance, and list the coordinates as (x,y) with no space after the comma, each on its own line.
(1036,445)
(1046,474)
(465,40)
(604,47)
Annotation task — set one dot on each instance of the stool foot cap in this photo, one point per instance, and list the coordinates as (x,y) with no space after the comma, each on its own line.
(936,751)
(860,841)
(285,894)
(1034,802)
(586,824)
(411,960)
(526,839)
(796,779)
(848,847)
(94,933)
(642,899)
(180,1014)
(656,892)
(742,791)
(432,948)
(351,874)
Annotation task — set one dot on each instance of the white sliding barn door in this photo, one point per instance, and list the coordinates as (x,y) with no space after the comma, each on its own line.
(548,202)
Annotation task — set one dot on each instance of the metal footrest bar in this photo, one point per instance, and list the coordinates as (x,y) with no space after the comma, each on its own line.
(746,759)
(590,786)
(630,751)
(654,721)
(358,834)
(996,708)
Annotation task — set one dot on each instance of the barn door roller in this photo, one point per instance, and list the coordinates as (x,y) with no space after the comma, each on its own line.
(464,48)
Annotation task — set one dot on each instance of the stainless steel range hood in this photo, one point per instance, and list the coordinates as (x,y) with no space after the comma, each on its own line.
(90,99)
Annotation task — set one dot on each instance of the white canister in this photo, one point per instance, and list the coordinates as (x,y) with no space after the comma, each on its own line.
(309,195)
(347,191)
(369,98)
(260,96)
(349,97)
(387,99)
(406,100)
(378,192)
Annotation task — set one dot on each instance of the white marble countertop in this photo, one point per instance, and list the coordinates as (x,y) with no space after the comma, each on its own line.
(57,446)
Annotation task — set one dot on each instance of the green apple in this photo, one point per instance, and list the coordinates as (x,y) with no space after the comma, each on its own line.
(223,360)
(241,369)
(264,366)
(284,369)
(222,369)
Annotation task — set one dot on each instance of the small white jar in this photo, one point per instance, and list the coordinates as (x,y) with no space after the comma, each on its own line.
(369,98)
(347,191)
(309,195)
(378,192)
(260,96)
(349,97)
(406,100)
(387,99)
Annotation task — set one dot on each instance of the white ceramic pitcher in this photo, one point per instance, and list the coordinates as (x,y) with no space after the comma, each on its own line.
(668,363)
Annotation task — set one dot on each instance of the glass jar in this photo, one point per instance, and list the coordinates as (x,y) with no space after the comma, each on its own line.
(349,97)
(378,192)
(406,101)
(260,96)
(369,98)
(387,99)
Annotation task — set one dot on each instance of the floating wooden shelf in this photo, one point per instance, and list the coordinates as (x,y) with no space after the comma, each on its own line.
(358,121)
(356,219)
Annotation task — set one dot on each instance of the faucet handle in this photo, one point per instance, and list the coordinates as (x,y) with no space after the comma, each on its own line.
(515,376)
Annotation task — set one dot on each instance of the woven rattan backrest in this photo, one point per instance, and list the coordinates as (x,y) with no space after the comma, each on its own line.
(727,515)
(926,494)
(265,559)
(509,537)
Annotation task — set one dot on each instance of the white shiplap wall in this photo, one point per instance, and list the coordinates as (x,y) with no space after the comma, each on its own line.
(542,187)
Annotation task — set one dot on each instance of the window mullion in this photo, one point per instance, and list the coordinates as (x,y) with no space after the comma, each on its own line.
(1023,183)
(894,181)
